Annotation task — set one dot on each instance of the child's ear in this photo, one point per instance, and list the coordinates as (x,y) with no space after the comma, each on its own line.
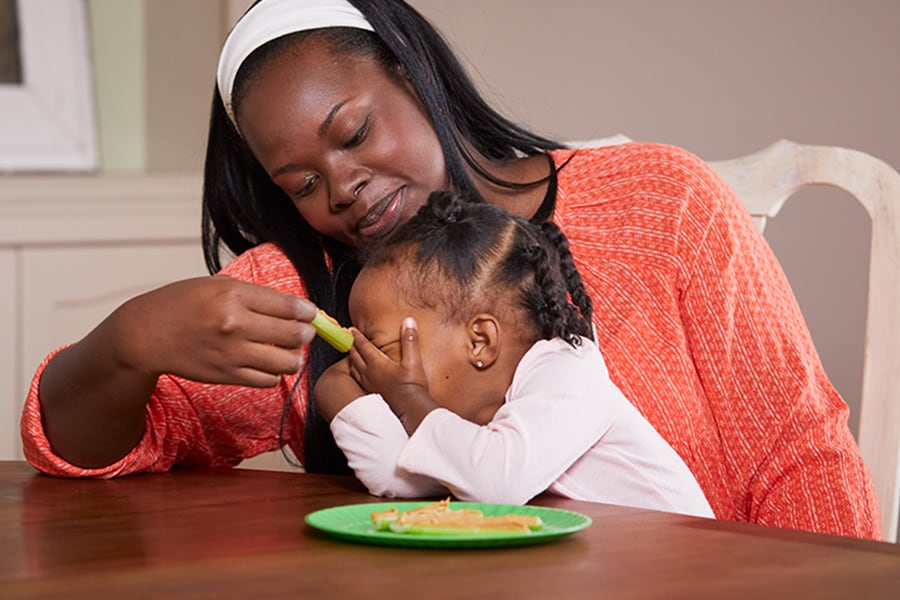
(484,340)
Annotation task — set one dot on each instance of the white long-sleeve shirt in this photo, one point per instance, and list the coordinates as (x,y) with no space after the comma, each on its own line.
(564,427)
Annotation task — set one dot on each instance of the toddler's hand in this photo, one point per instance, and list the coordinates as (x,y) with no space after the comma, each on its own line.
(403,384)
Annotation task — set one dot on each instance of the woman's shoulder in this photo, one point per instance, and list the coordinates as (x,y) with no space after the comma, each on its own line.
(635,177)
(644,200)
(636,161)
(266,264)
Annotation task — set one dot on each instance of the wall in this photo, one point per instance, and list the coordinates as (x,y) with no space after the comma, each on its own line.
(117,42)
(155,73)
(182,51)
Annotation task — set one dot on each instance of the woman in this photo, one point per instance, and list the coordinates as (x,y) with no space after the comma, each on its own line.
(332,123)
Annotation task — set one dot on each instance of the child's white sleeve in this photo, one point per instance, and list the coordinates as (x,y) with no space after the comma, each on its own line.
(372,437)
(556,410)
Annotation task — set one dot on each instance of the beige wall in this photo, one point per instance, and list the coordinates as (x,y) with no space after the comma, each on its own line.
(155,71)
(182,54)
(117,41)
(719,77)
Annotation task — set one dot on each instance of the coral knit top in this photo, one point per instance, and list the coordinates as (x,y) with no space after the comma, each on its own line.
(695,320)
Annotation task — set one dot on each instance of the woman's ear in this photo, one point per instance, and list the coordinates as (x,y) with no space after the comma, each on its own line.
(484,340)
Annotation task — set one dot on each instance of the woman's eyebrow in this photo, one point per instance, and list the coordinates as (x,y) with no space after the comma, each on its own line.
(320,132)
(329,118)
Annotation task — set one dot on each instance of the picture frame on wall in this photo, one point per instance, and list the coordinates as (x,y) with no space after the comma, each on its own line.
(47,110)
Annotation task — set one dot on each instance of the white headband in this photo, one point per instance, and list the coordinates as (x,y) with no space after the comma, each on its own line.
(271,19)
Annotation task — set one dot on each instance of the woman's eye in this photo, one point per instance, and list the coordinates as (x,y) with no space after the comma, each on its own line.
(309,185)
(359,135)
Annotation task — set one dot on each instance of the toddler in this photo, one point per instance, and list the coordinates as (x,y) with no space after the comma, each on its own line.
(474,373)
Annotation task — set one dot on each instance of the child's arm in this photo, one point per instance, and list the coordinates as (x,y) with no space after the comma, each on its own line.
(369,435)
(557,409)
(528,445)
(335,389)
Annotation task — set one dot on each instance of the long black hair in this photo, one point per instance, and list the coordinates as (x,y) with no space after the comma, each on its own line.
(242,207)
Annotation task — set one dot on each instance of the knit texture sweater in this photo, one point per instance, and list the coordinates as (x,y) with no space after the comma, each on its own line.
(695,320)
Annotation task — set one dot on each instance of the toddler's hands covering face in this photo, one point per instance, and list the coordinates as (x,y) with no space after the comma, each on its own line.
(402,383)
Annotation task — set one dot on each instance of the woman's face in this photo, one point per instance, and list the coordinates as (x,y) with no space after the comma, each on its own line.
(348,143)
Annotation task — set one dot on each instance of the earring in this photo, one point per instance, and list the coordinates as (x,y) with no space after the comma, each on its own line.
(479,364)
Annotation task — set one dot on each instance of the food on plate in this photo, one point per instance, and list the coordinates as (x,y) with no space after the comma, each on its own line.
(440,518)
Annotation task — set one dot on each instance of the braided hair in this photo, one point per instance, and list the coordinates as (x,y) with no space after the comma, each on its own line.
(473,255)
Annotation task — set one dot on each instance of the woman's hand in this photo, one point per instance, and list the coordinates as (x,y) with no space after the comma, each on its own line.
(335,389)
(403,384)
(215,330)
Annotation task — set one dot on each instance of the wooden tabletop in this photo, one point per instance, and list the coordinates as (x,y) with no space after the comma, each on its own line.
(235,533)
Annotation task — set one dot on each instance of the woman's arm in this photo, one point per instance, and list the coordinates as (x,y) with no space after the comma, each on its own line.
(783,425)
(247,330)
(213,329)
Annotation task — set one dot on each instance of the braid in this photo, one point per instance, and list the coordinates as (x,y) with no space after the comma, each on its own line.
(554,279)
(544,296)
(571,276)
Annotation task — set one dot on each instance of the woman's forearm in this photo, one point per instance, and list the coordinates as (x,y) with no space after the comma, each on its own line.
(208,329)
(92,405)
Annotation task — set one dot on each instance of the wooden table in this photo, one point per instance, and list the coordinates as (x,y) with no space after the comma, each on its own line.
(235,533)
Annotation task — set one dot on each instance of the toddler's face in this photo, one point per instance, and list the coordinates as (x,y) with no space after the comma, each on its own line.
(378,307)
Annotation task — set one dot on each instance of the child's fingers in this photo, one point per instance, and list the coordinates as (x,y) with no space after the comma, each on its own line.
(363,350)
(356,360)
(409,345)
(365,356)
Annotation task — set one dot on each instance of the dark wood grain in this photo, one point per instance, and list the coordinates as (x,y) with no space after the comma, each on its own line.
(232,533)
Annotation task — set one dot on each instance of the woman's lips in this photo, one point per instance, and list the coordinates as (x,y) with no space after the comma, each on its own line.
(382,218)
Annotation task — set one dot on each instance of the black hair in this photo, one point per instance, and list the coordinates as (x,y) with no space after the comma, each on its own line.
(470,257)
(242,207)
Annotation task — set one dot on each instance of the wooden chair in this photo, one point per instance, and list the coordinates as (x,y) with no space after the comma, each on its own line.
(763,181)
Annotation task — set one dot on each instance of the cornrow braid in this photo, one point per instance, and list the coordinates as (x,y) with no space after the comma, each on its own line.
(569,271)
(547,296)
(550,308)
(470,253)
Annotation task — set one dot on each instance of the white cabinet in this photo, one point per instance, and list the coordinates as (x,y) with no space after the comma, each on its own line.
(74,248)
(8,413)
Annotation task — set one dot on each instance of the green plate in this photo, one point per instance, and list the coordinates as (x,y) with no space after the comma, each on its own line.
(353,523)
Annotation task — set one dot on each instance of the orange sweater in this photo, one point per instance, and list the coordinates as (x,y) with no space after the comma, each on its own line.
(695,319)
